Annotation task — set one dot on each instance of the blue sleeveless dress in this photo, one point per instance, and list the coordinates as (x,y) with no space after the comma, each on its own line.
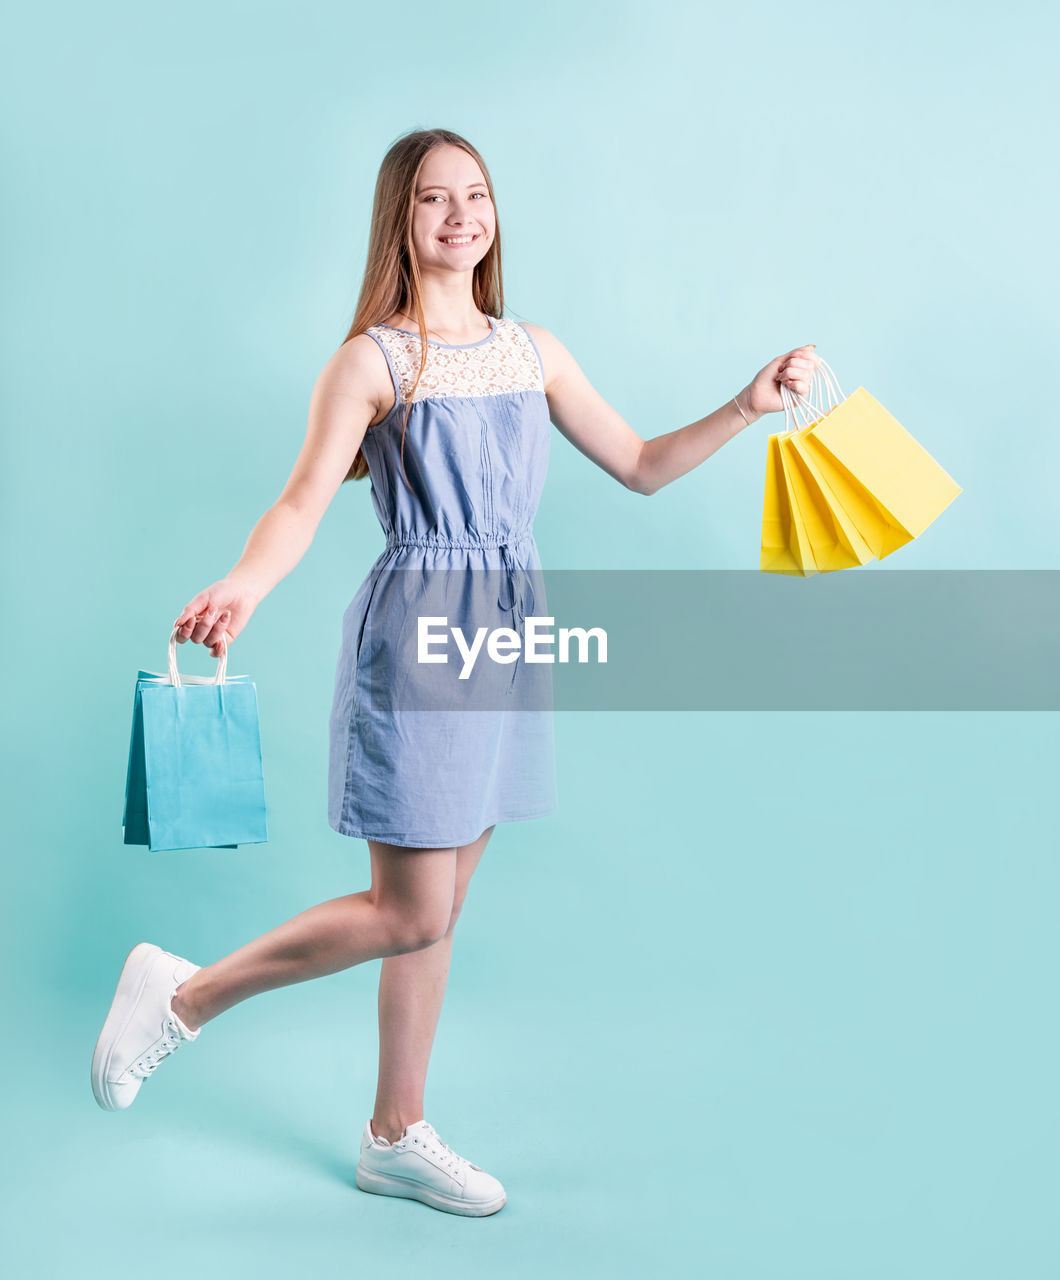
(475,457)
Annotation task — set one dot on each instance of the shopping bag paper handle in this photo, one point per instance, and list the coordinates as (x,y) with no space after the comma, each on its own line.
(798,408)
(824,372)
(798,411)
(174,674)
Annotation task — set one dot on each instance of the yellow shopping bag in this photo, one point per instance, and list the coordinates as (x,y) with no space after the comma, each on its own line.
(863,523)
(880,474)
(784,547)
(856,484)
(875,525)
(832,536)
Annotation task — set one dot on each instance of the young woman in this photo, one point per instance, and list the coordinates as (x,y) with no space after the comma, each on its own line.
(447,407)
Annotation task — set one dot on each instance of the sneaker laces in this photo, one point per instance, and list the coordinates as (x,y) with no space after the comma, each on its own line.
(456,1162)
(171,1041)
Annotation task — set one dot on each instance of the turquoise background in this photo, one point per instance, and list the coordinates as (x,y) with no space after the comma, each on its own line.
(772,995)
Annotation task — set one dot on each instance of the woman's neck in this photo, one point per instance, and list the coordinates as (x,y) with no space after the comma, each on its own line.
(450,325)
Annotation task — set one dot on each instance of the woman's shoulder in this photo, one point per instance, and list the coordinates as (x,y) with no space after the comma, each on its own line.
(554,355)
(542,336)
(359,368)
(534,330)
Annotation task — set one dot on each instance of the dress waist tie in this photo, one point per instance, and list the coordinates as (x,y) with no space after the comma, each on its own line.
(517,602)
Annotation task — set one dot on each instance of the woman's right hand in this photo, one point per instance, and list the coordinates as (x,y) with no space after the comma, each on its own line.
(762,393)
(218,613)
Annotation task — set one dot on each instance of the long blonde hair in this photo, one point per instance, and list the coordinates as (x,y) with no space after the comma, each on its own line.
(392,275)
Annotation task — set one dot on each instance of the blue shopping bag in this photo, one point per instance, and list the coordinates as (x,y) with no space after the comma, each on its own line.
(194,779)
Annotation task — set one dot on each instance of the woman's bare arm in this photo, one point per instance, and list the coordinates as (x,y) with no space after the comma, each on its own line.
(349,394)
(644,466)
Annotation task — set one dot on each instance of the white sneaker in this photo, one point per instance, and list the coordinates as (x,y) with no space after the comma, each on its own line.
(421,1167)
(141,1029)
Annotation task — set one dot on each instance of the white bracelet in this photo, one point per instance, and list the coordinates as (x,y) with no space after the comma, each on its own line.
(742,414)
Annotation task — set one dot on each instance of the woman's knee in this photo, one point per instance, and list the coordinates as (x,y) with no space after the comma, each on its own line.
(412,931)
(436,925)
(413,892)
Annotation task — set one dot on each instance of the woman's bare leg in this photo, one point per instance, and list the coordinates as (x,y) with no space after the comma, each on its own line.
(408,906)
(411,990)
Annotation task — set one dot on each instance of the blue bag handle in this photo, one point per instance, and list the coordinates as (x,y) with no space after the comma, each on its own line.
(174,674)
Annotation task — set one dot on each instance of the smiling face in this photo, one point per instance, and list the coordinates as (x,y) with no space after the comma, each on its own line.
(453,220)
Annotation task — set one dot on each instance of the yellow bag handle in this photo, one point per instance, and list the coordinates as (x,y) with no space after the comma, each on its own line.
(798,408)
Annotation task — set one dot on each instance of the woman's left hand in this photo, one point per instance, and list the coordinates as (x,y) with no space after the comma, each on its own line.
(762,393)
